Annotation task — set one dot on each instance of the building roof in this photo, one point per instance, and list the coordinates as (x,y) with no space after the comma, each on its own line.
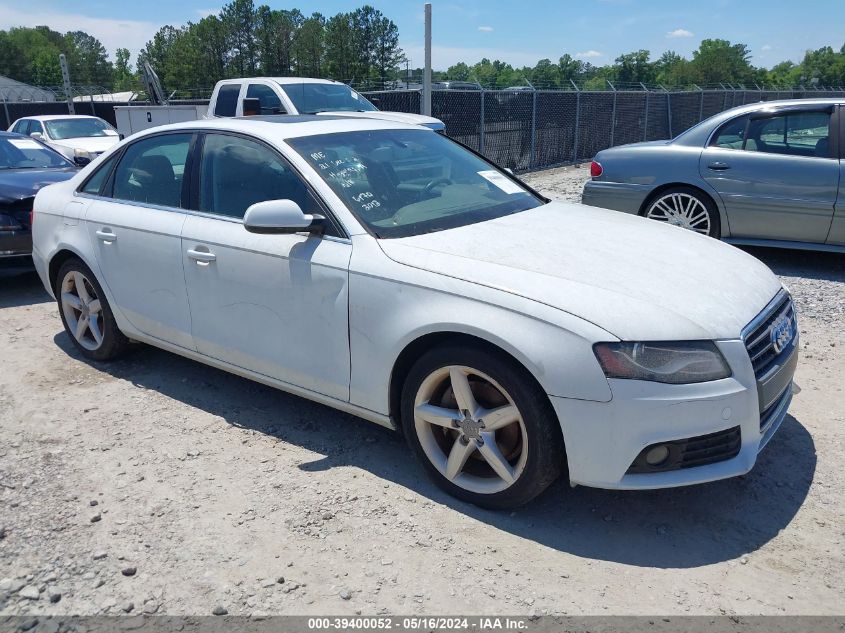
(13,90)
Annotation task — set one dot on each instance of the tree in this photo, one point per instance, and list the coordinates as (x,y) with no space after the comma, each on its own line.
(570,69)
(459,72)
(239,19)
(123,77)
(634,68)
(87,60)
(340,47)
(387,56)
(309,46)
(212,49)
(719,61)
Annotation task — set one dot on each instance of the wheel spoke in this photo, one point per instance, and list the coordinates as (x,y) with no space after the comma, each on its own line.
(439,416)
(500,417)
(458,457)
(81,328)
(94,327)
(81,290)
(490,451)
(72,300)
(95,306)
(462,390)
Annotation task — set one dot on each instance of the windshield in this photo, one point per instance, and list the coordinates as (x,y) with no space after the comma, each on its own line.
(26,153)
(59,129)
(409,182)
(314,98)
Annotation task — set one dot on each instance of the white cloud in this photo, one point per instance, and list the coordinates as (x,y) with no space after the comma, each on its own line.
(766,47)
(486,29)
(590,54)
(677,33)
(204,13)
(112,33)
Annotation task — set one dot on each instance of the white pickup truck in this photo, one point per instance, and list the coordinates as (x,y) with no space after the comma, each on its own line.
(263,96)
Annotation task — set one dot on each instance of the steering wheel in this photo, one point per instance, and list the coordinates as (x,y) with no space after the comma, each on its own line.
(433,184)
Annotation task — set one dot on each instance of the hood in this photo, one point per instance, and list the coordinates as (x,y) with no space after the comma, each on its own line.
(19,184)
(398,117)
(638,279)
(96,144)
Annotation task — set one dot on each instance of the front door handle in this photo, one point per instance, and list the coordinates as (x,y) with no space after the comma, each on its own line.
(106,236)
(202,258)
(718,166)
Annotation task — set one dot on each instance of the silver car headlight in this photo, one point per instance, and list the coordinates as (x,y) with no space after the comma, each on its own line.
(672,362)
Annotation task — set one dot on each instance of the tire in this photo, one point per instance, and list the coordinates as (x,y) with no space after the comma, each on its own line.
(531,444)
(686,207)
(100,338)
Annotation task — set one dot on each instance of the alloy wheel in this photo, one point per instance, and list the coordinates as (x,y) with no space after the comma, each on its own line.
(82,310)
(681,209)
(470,429)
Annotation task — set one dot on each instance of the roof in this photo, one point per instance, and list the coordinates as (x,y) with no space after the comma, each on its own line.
(286,126)
(284,80)
(53,117)
(13,90)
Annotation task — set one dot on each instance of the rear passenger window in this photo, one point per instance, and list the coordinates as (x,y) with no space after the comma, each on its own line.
(270,102)
(793,134)
(95,183)
(235,173)
(151,170)
(227,100)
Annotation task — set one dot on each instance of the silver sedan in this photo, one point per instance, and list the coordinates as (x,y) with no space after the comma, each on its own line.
(768,174)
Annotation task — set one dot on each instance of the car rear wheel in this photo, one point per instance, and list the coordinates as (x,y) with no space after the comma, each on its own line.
(86,313)
(685,207)
(482,428)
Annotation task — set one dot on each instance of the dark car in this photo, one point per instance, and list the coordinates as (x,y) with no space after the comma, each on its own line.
(26,165)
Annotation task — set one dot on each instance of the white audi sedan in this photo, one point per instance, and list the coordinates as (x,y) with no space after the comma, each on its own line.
(384,270)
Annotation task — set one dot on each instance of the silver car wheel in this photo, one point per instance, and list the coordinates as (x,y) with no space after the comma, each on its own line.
(470,429)
(681,209)
(82,310)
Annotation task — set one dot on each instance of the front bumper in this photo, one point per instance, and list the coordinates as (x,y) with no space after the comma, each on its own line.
(618,196)
(604,438)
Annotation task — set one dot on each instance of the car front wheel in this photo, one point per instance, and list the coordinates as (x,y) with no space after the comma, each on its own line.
(482,428)
(86,313)
(685,207)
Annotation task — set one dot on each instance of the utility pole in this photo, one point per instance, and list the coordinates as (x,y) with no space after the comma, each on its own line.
(66,82)
(426,101)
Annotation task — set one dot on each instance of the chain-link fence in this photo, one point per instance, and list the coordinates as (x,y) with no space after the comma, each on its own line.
(527,129)
(520,129)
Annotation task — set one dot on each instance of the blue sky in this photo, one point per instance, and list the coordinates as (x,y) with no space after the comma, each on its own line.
(517,32)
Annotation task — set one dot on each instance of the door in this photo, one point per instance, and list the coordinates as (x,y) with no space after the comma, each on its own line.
(775,174)
(135,225)
(273,304)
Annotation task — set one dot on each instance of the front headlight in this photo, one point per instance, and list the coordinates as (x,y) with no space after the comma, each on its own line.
(671,362)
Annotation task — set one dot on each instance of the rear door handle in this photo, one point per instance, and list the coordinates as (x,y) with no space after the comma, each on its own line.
(202,258)
(106,236)
(718,166)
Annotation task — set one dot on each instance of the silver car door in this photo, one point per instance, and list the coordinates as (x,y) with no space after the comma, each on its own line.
(135,227)
(775,174)
(836,237)
(273,304)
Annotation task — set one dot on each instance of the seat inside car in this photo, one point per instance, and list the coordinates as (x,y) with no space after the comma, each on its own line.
(151,180)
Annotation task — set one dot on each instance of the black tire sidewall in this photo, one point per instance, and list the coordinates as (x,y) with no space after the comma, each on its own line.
(114,341)
(712,210)
(546,454)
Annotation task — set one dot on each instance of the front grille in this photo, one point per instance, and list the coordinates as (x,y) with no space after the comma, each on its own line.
(758,339)
(770,412)
(691,452)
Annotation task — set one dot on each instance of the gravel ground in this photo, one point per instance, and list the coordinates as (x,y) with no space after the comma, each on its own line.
(159,485)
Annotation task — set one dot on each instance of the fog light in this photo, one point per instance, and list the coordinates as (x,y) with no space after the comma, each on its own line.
(657,455)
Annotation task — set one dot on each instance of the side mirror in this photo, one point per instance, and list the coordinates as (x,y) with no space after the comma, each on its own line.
(251,107)
(81,160)
(281,217)
(121,136)
(37,135)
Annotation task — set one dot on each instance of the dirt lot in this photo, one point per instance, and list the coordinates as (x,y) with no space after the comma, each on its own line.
(159,485)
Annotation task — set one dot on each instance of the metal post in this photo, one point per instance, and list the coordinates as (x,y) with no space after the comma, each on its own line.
(613,113)
(645,121)
(577,121)
(533,127)
(669,111)
(700,105)
(481,125)
(426,102)
(66,82)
